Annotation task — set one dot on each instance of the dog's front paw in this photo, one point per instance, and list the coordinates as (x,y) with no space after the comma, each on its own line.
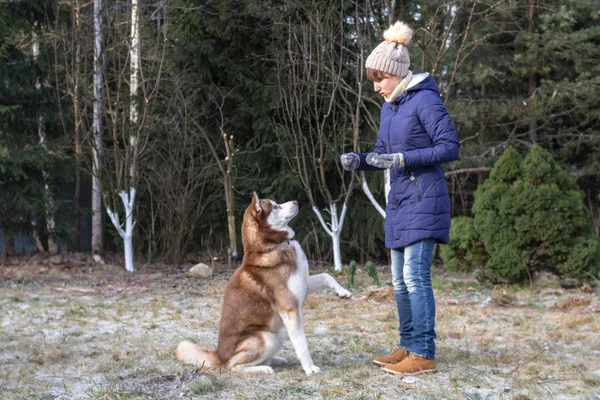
(265,370)
(343,293)
(259,369)
(313,369)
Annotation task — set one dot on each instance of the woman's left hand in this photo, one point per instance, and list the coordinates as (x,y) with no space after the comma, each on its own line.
(386,161)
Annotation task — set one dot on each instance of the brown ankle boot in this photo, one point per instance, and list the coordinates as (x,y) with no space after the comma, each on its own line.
(411,365)
(393,358)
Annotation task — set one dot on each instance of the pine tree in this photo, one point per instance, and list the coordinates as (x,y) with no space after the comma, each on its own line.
(24,161)
(530,216)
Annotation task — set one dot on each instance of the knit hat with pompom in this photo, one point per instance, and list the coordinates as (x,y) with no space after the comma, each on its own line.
(391,55)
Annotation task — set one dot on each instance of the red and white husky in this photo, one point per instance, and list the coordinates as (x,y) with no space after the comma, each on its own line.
(264,295)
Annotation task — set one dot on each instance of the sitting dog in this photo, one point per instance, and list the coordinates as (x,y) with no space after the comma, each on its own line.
(264,294)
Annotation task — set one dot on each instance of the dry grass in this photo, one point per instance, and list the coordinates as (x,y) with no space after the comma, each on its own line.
(384,294)
(571,302)
(500,297)
(97,332)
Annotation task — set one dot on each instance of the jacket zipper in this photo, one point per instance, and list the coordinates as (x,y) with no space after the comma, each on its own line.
(388,135)
(392,190)
(414,178)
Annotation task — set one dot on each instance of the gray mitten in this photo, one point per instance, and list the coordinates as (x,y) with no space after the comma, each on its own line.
(386,161)
(350,161)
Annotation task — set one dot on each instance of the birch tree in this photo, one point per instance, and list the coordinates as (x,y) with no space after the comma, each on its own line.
(48,196)
(128,130)
(128,198)
(77,117)
(532,84)
(97,243)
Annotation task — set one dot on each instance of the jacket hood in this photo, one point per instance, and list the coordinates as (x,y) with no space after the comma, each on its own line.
(423,81)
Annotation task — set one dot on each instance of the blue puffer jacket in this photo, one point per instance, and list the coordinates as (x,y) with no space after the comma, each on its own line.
(417,125)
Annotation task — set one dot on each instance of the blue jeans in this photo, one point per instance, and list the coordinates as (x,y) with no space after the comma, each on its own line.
(411,276)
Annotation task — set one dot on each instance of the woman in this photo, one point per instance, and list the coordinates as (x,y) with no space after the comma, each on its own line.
(415,138)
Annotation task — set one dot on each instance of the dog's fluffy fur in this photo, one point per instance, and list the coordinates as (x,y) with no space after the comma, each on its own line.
(264,295)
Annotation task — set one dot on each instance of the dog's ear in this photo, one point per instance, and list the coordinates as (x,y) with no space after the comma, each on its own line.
(256,203)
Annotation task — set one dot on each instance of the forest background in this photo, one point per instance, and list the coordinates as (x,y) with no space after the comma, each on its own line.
(171,113)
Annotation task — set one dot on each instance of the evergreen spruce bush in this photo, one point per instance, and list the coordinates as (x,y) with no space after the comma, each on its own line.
(372,272)
(528,216)
(465,252)
(351,273)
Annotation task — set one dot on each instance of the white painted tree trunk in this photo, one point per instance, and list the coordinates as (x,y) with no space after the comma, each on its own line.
(127,234)
(334,229)
(386,185)
(49,199)
(369,194)
(371,198)
(129,200)
(134,66)
(97,246)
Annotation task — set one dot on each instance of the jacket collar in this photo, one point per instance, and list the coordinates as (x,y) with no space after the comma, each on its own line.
(418,78)
(413,84)
(402,86)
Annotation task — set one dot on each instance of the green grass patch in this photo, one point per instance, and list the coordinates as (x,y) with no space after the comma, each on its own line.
(115,392)
(204,384)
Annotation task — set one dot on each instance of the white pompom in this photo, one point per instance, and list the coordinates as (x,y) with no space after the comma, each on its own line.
(399,33)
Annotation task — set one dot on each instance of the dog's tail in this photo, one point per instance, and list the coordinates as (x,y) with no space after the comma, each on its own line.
(191,353)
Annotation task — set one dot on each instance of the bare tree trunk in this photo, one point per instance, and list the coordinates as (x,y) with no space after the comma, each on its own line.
(48,198)
(77,126)
(37,238)
(595,214)
(134,64)
(97,245)
(448,36)
(232,252)
(532,75)
(391,7)
(228,188)
(482,121)
(9,242)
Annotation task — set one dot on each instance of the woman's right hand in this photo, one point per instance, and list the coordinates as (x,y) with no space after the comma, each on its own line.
(350,161)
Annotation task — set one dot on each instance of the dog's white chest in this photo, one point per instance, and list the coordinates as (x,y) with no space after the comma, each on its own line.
(298,281)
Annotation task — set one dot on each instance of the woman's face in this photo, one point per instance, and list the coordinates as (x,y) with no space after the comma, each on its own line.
(386,86)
